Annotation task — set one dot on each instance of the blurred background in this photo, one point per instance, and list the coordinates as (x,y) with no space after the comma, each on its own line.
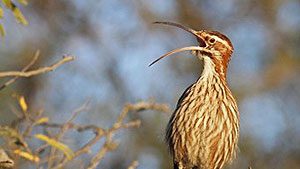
(114,41)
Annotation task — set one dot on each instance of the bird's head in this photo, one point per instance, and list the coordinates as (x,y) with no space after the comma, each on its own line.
(212,45)
(217,45)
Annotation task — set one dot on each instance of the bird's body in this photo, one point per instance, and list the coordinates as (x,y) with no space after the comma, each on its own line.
(203,130)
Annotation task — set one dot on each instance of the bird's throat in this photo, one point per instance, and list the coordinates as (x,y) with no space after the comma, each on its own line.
(212,68)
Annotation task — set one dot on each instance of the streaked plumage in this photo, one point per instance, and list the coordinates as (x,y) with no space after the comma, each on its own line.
(203,130)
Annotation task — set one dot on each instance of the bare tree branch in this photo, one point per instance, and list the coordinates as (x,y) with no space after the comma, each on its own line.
(109,144)
(55,159)
(37,71)
(12,80)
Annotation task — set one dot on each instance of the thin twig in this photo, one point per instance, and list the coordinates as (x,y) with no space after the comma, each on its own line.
(141,106)
(107,134)
(63,129)
(37,71)
(87,147)
(12,80)
(82,108)
(109,144)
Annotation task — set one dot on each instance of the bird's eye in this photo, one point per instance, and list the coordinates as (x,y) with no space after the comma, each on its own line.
(212,40)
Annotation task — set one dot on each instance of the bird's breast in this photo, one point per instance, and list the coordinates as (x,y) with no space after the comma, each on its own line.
(204,124)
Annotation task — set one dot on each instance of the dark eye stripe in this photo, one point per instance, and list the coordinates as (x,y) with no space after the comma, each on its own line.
(221,36)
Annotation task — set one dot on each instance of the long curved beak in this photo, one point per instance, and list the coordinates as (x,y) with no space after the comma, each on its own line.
(176,51)
(192,31)
(201,42)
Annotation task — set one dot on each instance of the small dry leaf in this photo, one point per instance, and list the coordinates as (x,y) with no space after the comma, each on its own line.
(42,120)
(19,16)
(8,4)
(54,143)
(23,104)
(2,31)
(27,155)
(1,12)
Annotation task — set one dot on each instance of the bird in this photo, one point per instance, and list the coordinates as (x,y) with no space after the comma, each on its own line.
(203,130)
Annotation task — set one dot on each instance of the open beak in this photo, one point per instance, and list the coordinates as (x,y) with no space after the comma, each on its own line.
(201,42)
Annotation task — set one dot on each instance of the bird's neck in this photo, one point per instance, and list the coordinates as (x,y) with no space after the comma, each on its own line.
(212,69)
